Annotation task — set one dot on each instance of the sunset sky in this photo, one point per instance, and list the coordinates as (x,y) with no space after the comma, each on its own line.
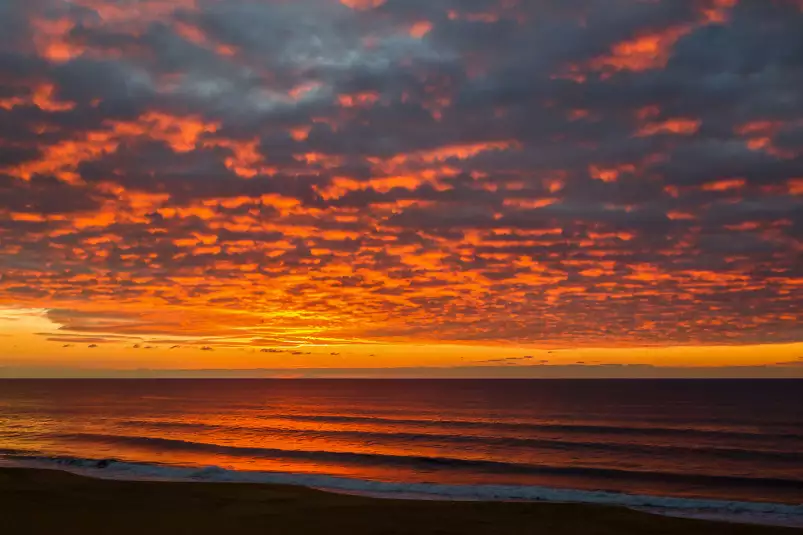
(478,187)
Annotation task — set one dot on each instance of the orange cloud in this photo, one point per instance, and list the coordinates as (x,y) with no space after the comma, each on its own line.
(678,126)
(610,174)
(365,99)
(362,5)
(52,40)
(644,52)
(724,185)
(420,29)
(717,11)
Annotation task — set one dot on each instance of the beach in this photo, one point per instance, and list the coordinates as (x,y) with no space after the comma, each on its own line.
(38,502)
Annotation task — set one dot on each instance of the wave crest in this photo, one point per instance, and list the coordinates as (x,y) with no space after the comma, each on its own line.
(738,511)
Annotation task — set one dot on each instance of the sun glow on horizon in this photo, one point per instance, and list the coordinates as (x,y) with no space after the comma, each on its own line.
(35,343)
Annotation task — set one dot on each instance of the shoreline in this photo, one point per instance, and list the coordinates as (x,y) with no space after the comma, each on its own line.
(53,486)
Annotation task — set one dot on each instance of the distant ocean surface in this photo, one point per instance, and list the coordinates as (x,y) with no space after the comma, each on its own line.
(711,448)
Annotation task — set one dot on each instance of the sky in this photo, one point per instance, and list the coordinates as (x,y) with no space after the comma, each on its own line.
(401,187)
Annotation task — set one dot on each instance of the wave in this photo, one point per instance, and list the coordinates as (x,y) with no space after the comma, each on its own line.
(738,511)
(10,451)
(752,454)
(540,426)
(445,463)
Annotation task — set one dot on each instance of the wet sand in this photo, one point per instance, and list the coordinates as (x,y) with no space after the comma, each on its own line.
(45,502)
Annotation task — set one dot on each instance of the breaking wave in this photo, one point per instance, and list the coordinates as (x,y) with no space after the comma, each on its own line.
(735,511)
(430,462)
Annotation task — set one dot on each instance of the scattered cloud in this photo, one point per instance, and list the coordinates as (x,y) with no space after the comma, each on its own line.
(78,339)
(282,174)
(511,360)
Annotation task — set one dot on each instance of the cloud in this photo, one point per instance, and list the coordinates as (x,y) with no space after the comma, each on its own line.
(79,339)
(511,360)
(300,174)
(502,371)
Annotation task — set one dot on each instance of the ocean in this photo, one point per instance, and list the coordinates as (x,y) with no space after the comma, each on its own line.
(728,449)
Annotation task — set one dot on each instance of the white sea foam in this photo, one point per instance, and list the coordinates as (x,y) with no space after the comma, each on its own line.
(728,510)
